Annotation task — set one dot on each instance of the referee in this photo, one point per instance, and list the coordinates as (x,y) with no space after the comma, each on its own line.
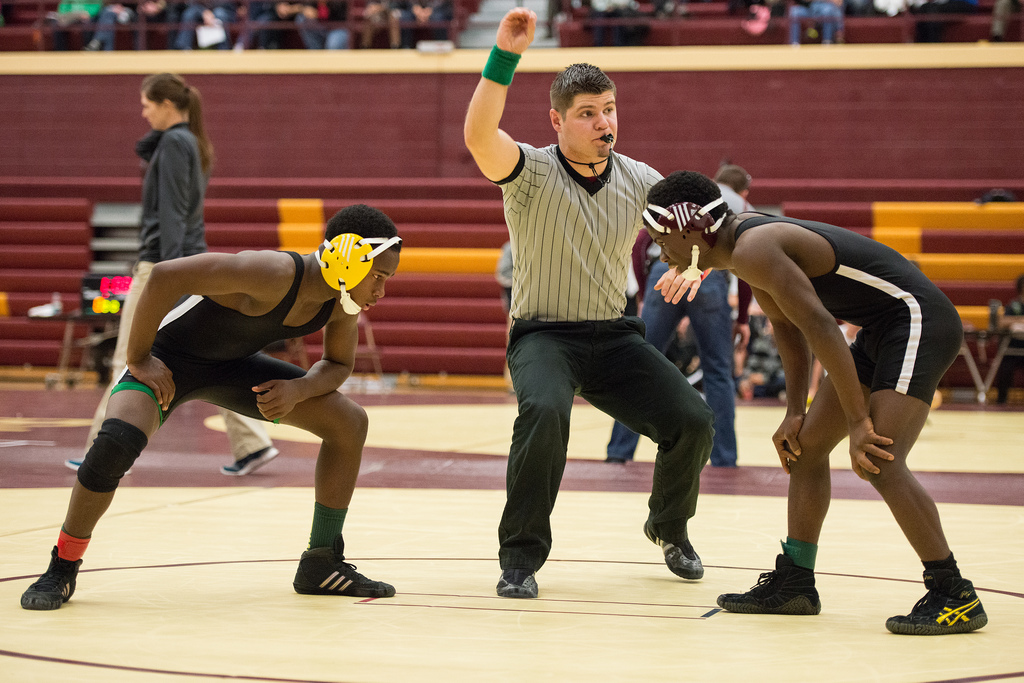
(573,211)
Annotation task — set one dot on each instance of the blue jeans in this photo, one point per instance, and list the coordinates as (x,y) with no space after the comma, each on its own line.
(105,29)
(818,9)
(193,16)
(321,38)
(711,322)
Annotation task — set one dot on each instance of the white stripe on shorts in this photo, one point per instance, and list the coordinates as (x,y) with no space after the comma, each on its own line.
(914,336)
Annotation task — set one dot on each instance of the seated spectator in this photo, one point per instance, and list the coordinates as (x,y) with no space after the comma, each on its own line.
(1013,318)
(427,11)
(1001,12)
(199,17)
(763,376)
(935,31)
(609,9)
(270,38)
(318,38)
(69,14)
(829,16)
(103,38)
(389,14)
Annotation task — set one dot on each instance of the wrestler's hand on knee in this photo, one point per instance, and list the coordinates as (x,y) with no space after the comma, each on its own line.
(863,443)
(787,441)
(276,398)
(152,372)
(673,286)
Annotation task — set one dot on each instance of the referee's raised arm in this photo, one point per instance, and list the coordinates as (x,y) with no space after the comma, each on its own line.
(495,152)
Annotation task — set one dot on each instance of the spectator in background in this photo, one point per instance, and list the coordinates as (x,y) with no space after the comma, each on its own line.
(315,37)
(206,25)
(70,14)
(609,9)
(935,31)
(179,156)
(711,325)
(1001,12)
(432,11)
(385,14)
(270,12)
(762,376)
(103,38)
(503,276)
(828,15)
(1013,317)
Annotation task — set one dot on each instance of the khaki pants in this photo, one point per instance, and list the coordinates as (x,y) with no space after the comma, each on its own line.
(246,434)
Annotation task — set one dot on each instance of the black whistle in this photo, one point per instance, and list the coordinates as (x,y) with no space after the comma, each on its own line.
(608,137)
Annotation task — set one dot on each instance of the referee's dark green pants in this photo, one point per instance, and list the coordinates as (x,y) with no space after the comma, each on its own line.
(610,365)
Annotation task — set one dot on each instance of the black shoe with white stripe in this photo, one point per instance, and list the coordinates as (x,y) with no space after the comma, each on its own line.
(324,571)
(53,588)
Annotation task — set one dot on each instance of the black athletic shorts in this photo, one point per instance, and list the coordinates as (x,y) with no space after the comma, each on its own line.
(224,383)
(909,355)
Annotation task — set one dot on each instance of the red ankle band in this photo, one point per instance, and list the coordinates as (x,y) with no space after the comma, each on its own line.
(70,548)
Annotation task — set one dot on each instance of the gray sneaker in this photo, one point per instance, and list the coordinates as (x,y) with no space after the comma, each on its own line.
(680,557)
(517,583)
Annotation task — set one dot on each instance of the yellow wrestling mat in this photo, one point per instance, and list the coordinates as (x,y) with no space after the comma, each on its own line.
(192,584)
(952,441)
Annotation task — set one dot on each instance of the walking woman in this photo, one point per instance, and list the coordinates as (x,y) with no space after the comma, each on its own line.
(179,157)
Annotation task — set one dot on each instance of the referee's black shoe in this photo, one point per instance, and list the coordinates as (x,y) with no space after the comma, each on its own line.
(517,583)
(950,606)
(53,588)
(324,571)
(680,557)
(787,590)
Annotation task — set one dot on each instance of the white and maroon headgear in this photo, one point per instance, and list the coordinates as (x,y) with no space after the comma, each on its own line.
(691,218)
(686,216)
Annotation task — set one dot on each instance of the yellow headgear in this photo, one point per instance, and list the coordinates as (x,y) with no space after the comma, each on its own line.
(347,259)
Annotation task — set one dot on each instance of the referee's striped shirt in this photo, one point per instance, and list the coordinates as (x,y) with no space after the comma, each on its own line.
(571,246)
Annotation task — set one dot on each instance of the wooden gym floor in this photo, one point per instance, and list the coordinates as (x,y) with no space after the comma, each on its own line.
(188,575)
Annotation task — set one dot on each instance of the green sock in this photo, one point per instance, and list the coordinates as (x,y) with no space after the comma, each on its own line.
(802,554)
(327,524)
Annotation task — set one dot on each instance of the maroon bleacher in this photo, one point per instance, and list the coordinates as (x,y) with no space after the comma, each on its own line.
(44,248)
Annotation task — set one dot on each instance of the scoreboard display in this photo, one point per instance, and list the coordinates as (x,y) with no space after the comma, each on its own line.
(104,293)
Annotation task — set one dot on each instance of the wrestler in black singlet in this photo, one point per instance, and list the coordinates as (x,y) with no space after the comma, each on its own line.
(911,332)
(214,353)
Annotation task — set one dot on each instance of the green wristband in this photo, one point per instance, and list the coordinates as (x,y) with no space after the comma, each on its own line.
(501,66)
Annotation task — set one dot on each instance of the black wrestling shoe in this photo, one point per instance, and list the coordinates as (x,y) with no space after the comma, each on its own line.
(517,583)
(53,588)
(787,590)
(949,606)
(680,558)
(324,571)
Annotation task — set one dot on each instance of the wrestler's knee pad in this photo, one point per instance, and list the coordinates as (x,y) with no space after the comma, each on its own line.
(112,454)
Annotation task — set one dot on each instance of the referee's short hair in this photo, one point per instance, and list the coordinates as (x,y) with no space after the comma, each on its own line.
(578,79)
